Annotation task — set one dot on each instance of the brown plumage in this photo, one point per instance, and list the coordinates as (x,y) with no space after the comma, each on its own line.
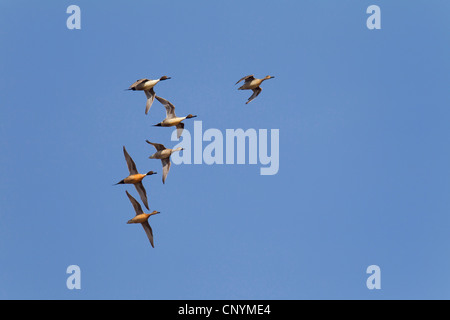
(251,83)
(135,177)
(142,218)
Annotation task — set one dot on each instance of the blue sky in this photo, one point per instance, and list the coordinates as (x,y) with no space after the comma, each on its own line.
(364,172)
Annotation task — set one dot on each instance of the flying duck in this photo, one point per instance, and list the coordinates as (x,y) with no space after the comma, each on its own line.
(147,85)
(251,83)
(164,154)
(135,178)
(142,218)
(171,119)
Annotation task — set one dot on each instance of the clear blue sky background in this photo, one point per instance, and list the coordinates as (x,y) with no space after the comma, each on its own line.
(364,150)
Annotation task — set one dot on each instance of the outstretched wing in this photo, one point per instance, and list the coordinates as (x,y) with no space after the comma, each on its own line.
(166,167)
(137,207)
(150,98)
(246,78)
(138,82)
(157,146)
(148,231)
(256,91)
(130,163)
(170,108)
(180,128)
(142,193)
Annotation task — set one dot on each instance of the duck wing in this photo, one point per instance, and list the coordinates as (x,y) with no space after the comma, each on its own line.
(170,108)
(130,163)
(157,146)
(166,167)
(180,128)
(148,231)
(256,92)
(142,193)
(137,207)
(246,78)
(150,98)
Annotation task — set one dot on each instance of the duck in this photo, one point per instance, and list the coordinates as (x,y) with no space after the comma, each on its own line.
(142,218)
(147,85)
(164,154)
(252,83)
(135,178)
(171,119)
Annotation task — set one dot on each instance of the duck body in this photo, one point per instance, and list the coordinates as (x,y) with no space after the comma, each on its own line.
(172,121)
(161,154)
(253,84)
(140,218)
(144,84)
(134,178)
